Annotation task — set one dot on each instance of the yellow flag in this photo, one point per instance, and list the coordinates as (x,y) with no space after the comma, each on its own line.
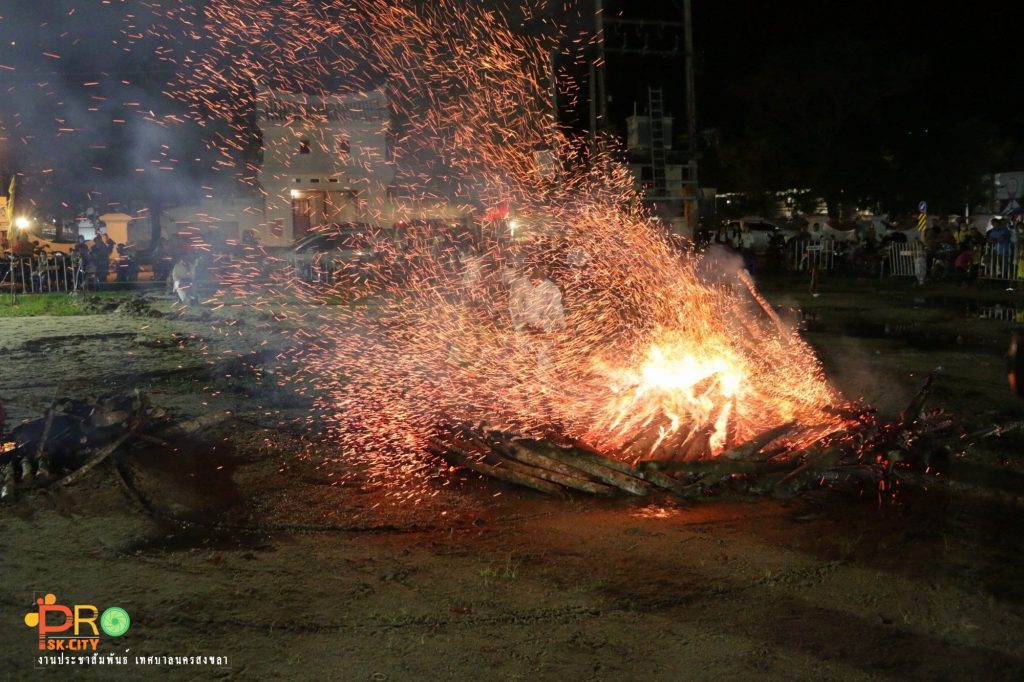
(10,209)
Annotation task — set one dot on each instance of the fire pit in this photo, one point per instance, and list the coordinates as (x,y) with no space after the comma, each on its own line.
(861,454)
(572,343)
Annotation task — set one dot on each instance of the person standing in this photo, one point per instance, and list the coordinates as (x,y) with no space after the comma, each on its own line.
(183,275)
(127,268)
(100,256)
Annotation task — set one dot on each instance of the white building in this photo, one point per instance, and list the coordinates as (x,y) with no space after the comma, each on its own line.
(325,160)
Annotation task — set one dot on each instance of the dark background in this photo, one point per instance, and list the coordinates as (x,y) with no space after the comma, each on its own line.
(874,103)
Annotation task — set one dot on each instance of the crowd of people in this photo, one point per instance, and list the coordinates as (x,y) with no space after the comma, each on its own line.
(952,250)
(33,265)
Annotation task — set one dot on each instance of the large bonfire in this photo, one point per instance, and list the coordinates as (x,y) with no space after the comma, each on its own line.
(664,352)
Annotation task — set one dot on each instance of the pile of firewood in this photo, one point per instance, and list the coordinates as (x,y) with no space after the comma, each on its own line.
(863,454)
(73,436)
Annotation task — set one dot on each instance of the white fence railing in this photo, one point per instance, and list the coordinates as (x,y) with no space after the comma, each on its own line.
(1003,262)
(1000,262)
(807,255)
(906,259)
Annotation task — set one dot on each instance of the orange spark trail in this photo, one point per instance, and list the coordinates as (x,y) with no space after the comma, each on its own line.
(652,350)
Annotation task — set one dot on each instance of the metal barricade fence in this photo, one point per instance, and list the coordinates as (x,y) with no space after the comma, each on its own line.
(903,259)
(807,255)
(1003,262)
(40,274)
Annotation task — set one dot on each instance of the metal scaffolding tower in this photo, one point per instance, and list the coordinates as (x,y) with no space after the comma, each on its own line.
(657,128)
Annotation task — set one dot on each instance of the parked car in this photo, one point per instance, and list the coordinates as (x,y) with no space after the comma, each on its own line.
(761,229)
(335,248)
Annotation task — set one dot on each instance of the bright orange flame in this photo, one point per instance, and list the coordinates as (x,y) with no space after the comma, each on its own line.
(681,388)
(661,351)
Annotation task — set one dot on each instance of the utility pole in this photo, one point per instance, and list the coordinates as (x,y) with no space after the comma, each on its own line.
(693,200)
(602,92)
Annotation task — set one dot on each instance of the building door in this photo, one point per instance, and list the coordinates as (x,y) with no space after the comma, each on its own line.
(302,215)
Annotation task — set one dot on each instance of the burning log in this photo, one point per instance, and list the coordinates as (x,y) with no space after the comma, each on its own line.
(665,482)
(581,469)
(645,439)
(815,462)
(572,482)
(697,445)
(529,463)
(669,447)
(596,466)
(46,429)
(754,445)
(585,451)
(997,430)
(461,459)
(557,472)
(719,466)
(827,454)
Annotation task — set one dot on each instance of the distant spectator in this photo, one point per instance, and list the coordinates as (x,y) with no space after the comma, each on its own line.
(961,233)
(183,275)
(962,266)
(127,267)
(99,256)
(1000,236)
(870,238)
(162,261)
(746,240)
(80,248)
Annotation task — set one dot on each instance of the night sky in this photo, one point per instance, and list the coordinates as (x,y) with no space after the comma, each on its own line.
(887,101)
(893,69)
(967,57)
(964,59)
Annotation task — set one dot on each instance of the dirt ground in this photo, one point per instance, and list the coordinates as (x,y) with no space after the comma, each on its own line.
(236,546)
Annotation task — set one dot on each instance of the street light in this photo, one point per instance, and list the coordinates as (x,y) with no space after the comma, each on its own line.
(22,223)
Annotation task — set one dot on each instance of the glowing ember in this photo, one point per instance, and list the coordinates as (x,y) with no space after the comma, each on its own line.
(659,348)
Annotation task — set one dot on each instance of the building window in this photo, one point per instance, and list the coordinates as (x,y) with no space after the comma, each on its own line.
(303,146)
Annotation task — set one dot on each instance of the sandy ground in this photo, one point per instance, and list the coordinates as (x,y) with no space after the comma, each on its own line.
(236,547)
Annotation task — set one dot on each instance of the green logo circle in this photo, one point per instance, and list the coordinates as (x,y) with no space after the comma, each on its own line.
(115,621)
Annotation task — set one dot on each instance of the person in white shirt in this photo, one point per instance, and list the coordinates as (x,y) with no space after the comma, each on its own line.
(534,302)
(183,275)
